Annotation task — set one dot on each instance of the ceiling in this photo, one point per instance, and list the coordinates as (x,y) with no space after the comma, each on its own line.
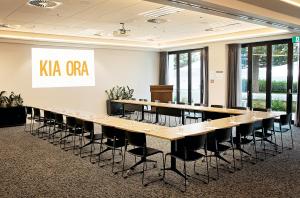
(80,20)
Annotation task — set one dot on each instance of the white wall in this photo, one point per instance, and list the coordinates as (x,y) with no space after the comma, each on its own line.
(138,69)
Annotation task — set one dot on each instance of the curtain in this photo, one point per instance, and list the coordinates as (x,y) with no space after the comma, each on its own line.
(233,75)
(205,83)
(163,68)
(297,118)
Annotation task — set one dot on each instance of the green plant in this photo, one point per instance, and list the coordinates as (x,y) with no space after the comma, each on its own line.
(10,101)
(119,93)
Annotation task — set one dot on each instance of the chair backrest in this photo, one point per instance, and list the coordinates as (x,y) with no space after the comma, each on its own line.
(47,115)
(59,119)
(71,122)
(286,119)
(260,109)
(223,135)
(136,139)
(197,104)
(88,126)
(268,124)
(245,129)
(181,103)
(28,110)
(79,122)
(193,143)
(217,106)
(240,108)
(168,111)
(112,132)
(36,112)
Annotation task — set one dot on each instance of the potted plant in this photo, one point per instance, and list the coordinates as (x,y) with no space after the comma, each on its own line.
(12,112)
(117,93)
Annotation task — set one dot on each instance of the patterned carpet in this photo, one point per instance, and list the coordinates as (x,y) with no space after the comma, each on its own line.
(32,167)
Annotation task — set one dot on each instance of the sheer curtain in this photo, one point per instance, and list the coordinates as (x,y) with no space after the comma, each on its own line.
(163,68)
(233,83)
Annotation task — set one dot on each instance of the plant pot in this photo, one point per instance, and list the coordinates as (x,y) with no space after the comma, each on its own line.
(113,108)
(12,116)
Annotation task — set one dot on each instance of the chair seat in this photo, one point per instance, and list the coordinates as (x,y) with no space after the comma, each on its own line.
(260,134)
(139,151)
(221,148)
(242,141)
(118,143)
(97,136)
(283,130)
(191,155)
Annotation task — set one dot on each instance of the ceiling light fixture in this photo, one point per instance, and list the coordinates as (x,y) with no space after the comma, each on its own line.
(44,3)
(291,2)
(8,26)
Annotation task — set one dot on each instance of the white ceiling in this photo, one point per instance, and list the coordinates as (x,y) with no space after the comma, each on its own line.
(84,18)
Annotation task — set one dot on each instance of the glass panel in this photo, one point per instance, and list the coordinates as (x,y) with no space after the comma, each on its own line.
(172,74)
(183,72)
(259,57)
(196,78)
(295,76)
(244,77)
(279,77)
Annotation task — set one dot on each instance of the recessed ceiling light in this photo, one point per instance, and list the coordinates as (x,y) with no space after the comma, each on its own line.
(292,2)
(44,3)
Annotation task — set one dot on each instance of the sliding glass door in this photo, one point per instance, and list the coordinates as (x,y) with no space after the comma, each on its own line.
(185,74)
(269,74)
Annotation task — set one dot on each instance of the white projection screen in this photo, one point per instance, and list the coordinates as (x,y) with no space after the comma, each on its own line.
(62,68)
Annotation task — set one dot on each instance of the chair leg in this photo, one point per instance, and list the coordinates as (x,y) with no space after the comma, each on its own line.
(185,177)
(292,139)
(143,173)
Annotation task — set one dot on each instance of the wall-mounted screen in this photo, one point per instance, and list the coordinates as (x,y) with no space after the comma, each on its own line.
(62,68)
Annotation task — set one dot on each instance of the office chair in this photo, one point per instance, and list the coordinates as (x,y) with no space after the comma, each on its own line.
(187,151)
(29,117)
(138,141)
(285,125)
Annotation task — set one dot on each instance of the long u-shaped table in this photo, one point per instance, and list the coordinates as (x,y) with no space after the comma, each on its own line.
(169,133)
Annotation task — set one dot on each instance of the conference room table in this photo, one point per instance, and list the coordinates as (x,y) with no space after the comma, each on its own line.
(169,133)
(182,107)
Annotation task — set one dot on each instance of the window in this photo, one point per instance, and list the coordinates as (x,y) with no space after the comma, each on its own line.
(185,74)
(269,75)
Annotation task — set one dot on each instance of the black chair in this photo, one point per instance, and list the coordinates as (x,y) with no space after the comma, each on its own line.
(115,140)
(260,109)
(59,127)
(170,112)
(244,136)
(138,141)
(89,133)
(73,130)
(285,125)
(194,115)
(187,151)
(37,118)
(29,116)
(217,143)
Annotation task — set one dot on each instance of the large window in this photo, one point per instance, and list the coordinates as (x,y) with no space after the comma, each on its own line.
(185,74)
(269,75)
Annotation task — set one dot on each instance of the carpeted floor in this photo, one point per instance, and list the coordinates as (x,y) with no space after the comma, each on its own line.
(32,167)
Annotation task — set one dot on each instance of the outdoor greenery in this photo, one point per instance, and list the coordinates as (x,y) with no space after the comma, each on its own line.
(277,86)
(277,105)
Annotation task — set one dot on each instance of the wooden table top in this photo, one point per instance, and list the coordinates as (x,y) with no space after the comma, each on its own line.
(183,106)
(169,133)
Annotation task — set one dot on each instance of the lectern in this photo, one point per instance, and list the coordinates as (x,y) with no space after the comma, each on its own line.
(163,93)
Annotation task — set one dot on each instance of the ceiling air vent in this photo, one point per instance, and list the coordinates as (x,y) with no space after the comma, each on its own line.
(43,3)
(162,11)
